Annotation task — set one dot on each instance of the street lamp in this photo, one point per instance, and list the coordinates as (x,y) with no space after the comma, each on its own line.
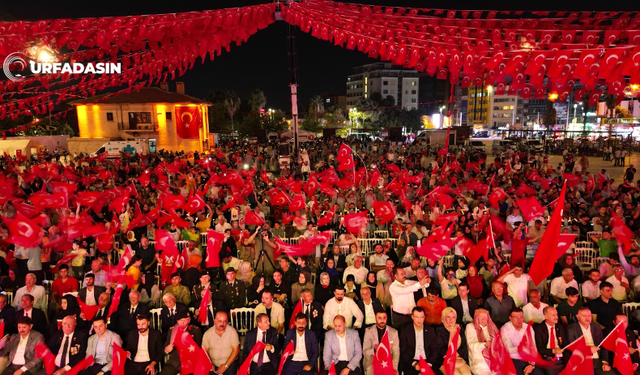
(575,108)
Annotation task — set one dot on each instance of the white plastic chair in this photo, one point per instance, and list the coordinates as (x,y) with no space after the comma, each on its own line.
(598,261)
(585,245)
(243,319)
(585,257)
(181,245)
(156,319)
(381,234)
(628,308)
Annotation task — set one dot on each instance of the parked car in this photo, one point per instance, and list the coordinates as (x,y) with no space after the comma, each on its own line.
(499,146)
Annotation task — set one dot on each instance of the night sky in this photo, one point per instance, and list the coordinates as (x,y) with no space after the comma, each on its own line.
(262,61)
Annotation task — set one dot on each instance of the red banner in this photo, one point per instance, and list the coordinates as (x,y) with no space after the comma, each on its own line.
(188,122)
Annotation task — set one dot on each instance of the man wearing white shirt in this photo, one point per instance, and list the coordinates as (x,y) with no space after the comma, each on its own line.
(620,283)
(401,291)
(591,287)
(144,349)
(560,284)
(37,291)
(357,270)
(533,311)
(69,346)
(517,284)
(512,334)
(21,350)
(273,309)
(341,305)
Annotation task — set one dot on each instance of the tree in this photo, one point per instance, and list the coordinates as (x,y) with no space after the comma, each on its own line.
(611,101)
(550,116)
(219,119)
(316,105)
(257,100)
(231,104)
(622,112)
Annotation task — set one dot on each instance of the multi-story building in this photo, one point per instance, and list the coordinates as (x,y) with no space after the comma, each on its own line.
(401,84)
(339,101)
(152,115)
(478,99)
(534,109)
(505,111)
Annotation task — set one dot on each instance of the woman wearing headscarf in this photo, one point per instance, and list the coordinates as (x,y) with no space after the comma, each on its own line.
(304,282)
(567,261)
(324,289)
(68,306)
(372,283)
(478,288)
(254,293)
(486,352)
(463,265)
(330,269)
(448,332)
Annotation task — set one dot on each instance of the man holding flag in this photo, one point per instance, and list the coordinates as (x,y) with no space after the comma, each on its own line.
(593,337)
(374,349)
(305,349)
(176,353)
(267,360)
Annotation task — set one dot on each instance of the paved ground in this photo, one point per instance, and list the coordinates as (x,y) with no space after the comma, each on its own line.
(596,164)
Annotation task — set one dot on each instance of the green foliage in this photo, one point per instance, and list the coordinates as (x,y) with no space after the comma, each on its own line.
(257,100)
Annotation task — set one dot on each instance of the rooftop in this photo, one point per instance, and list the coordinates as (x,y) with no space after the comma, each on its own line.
(145,95)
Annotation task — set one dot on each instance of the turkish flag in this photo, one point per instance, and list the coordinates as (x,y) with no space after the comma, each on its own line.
(343,153)
(601,180)
(187,350)
(194,204)
(327,217)
(382,361)
(244,369)
(188,122)
(88,310)
(530,208)
(591,184)
(202,318)
(616,342)
(252,218)
(279,197)
(580,361)
(22,231)
(346,164)
(311,186)
(435,250)
(528,351)
(296,310)
(572,179)
(544,261)
(497,195)
(356,223)
(286,353)
(116,297)
(297,203)
(83,364)
(425,369)
(621,232)
(385,210)
(203,363)
(48,358)
(214,244)
(165,243)
(172,201)
(450,358)
(119,359)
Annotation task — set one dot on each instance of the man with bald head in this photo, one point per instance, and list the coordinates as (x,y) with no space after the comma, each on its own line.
(551,337)
(68,345)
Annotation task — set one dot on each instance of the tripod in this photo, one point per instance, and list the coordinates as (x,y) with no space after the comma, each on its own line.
(262,256)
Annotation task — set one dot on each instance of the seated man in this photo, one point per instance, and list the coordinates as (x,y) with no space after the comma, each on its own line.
(21,349)
(512,334)
(568,310)
(533,311)
(593,337)
(433,306)
(144,348)
(619,283)
(342,347)
(591,287)
(560,284)
(179,291)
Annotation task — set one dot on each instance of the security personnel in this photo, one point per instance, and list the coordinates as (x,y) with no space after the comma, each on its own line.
(233,292)
(174,341)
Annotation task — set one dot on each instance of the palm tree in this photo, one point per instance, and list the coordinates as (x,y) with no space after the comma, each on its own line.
(257,100)
(550,116)
(316,105)
(610,101)
(231,104)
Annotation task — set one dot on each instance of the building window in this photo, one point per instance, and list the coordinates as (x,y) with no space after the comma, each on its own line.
(385,83)
(136,118)
(414,100)
(109,116)
(169,115)
(413,83)
(413,92)
(385,92)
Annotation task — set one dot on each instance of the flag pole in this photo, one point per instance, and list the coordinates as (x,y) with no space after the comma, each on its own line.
(612,331)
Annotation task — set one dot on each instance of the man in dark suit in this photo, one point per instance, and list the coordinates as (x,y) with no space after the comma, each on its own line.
(37,316)
(462,303)
(268,335)
(90,293)
(408,356)
(69,345)
(632,340)
(175,340)
(145,361)
(369,306)
(125,319)
(593,338)
(8,316)
(28,363)
(170,311)
(314,311)
(304,357)
(549,350)
(213,306)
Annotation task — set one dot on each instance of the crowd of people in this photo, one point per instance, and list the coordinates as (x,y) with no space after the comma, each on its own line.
(89,262)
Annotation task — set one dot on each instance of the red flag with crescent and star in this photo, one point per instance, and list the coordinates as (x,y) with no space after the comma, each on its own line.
(187,122)
(119,358)
(382,362)
(288,351)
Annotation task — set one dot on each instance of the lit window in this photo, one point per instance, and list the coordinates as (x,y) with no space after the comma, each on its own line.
(109,116)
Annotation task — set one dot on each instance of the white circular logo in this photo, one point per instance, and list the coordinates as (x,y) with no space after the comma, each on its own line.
(16,61)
